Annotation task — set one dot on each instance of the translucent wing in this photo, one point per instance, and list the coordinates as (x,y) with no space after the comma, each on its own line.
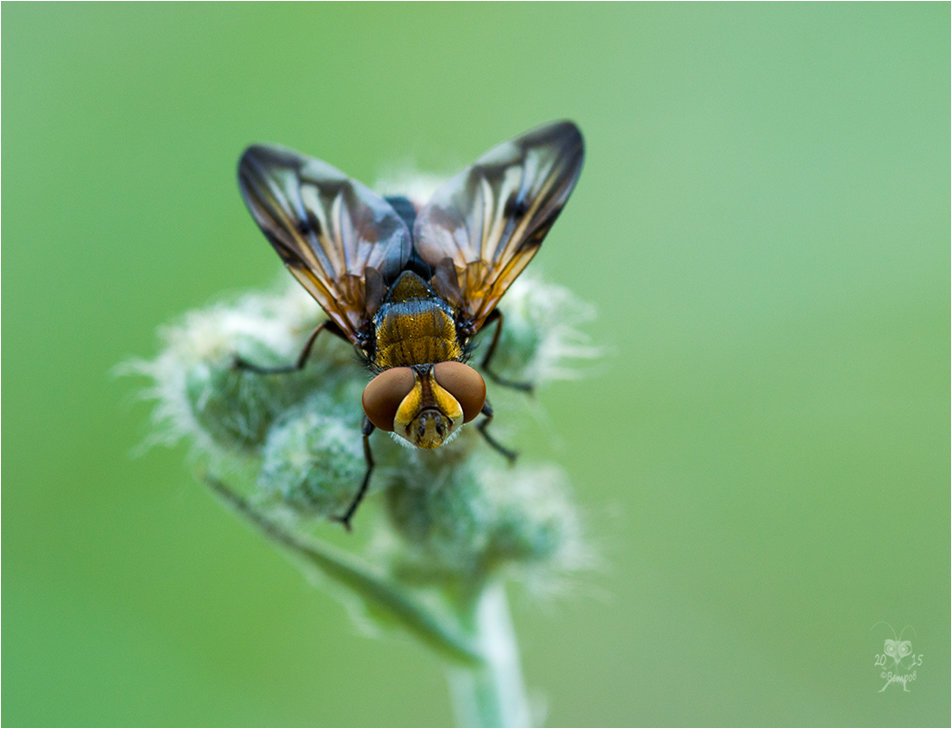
(484,225)
(339,239)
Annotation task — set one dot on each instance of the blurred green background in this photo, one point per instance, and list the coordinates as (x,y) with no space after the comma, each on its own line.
(762,454)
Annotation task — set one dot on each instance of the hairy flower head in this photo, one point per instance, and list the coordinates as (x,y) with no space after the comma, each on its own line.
(457,510)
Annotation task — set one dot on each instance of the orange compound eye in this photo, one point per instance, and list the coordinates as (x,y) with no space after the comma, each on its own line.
(384,393)
(465,384)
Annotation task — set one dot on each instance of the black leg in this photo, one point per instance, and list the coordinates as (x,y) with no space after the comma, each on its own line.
(496,318)
(488,412)
(367,429)
(243,364)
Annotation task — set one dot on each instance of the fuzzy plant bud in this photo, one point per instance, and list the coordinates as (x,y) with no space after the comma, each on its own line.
(457,520)
(302,430)
(541,340)
(235,411)
(313,459)
(476,518)
(202,396)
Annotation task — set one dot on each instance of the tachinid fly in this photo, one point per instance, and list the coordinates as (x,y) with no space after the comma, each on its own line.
(409,287)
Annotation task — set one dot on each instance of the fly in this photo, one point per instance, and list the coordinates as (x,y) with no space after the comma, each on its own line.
(409,288)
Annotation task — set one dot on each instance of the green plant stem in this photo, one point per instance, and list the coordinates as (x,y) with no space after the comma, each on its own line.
(484,674)
(491,694)
(375,589)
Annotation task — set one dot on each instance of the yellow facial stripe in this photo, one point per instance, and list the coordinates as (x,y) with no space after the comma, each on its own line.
(409,408)
(446,403)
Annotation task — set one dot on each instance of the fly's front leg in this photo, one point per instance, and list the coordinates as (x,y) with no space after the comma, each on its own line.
(496,318)
(367,429)
(488,412)
(240,363)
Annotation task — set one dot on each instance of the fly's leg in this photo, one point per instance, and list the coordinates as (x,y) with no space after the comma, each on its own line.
(488,412)
(496,318)
(240,363)
(367,429)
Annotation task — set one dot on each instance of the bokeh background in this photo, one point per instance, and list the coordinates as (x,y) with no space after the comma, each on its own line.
(762,453)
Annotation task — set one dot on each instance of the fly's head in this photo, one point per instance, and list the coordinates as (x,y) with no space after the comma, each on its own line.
(425,404)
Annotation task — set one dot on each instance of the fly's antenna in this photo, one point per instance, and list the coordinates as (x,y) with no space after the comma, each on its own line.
(903,632)
(891,628)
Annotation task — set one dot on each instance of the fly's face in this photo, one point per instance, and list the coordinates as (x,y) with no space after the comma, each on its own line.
(425,404)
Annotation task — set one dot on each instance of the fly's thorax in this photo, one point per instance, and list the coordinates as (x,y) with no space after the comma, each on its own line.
(425,404)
